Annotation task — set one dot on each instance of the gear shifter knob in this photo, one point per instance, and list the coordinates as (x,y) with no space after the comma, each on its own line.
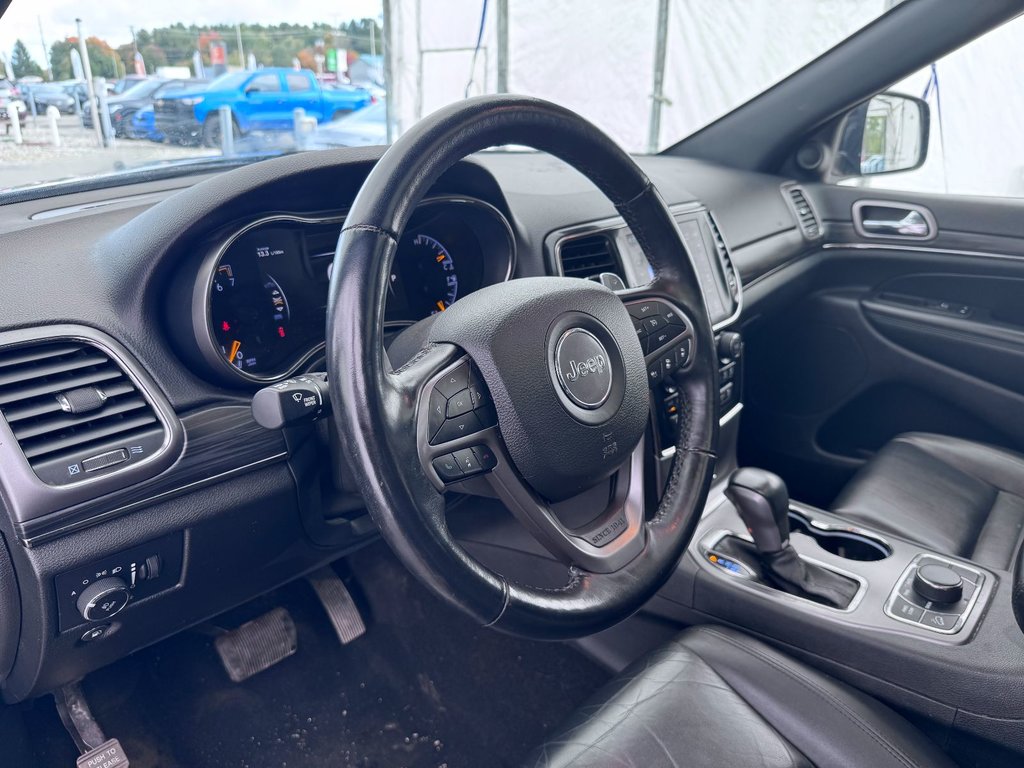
(762,501)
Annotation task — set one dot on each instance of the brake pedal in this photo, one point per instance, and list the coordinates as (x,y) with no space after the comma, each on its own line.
(341,608)
(257,645)
(97,750)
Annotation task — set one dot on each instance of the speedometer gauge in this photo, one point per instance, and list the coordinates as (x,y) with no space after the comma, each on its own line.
(431,282)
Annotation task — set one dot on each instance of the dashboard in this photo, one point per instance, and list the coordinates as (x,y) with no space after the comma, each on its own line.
(260,299)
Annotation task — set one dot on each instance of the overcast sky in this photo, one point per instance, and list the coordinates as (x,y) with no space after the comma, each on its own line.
(110,19)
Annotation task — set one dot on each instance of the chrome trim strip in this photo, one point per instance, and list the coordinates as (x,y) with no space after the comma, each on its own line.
(920,249)
(733,412)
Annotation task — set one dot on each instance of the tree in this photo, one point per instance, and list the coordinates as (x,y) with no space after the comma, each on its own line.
(101,58)
(22,63)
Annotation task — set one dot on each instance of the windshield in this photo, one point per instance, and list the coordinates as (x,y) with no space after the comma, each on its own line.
(647,73)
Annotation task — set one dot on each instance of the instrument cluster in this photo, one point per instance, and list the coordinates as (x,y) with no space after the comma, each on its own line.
(262,293)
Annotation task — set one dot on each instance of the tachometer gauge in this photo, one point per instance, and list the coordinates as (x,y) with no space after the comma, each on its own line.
(431,281)
(250,326)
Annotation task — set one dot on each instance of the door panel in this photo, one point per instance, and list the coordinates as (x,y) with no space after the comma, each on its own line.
(890,336)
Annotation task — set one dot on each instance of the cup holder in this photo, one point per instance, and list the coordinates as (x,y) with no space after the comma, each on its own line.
(848,543)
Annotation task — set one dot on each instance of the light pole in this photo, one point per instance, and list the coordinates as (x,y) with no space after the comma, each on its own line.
(89,87)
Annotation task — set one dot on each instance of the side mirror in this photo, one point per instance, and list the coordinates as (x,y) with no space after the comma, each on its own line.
(885,134)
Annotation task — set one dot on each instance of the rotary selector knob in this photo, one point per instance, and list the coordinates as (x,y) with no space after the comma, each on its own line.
(730,345)
(938,583)
(103,599)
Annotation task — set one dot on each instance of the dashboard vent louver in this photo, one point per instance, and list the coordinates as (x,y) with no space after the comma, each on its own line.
(64,398)
(588,256)
(723,253)
(804,213)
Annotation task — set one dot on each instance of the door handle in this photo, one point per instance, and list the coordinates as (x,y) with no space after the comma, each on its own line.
(879,218)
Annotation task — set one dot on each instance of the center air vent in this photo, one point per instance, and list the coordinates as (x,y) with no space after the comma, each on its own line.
(731,278)
(805,215)
(74,411)
(588,256)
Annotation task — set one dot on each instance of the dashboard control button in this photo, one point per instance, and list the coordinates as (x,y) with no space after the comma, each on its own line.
(95,633)
(459,403)
(454,381)
(725,395)
(730,345)
(104,460)
(943,621)
(452,429)
(904,609)
(485,457)
(447,468)
(103,599)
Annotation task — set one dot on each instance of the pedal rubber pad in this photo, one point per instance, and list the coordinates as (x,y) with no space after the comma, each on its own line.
(109,754)
(257,645)
(341,608)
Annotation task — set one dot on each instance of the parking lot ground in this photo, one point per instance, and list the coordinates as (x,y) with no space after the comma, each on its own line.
(37,160)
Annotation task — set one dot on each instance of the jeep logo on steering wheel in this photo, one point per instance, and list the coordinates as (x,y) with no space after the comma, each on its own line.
(582,370)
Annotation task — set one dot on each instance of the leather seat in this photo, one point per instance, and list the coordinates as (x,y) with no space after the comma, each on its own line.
(715,697)
(952,496)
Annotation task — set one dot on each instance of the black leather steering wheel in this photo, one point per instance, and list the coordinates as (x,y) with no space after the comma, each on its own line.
(556,362)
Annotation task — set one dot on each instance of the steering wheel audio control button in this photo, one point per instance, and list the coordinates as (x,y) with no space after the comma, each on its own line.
(485,457)
(454,381)
(438,410)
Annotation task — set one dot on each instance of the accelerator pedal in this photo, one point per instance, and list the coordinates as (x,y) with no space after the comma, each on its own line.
(257,645)
(341,608)
(97,750)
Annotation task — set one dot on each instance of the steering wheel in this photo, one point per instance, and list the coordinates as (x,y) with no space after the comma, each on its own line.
(535,390)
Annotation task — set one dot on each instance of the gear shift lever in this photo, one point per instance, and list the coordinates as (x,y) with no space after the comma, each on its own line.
(762,501)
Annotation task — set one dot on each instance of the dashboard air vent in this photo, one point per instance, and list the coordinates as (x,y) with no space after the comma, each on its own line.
(588,256)
(804,213)
(73,411)
(723,254)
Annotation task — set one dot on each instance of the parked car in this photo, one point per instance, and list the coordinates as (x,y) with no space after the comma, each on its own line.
(142,125)
(74,88)
(126,82)
(365,128)
(142,94)
(9,95)
(264,100)
(51,95)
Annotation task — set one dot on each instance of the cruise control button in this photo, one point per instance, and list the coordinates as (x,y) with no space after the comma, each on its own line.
(638,326)
(485,457)
(654,323)
(459,403)
(904,609)
(657,339)
(452,429)
(438,407)
(447,468)
(468,462)
(643,309)
(454,381)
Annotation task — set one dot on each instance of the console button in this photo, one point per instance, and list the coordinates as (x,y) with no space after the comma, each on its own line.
(447,468)
(460,403)
(460,426)
(904,609)
(485,457)
(454,381)
(943,621)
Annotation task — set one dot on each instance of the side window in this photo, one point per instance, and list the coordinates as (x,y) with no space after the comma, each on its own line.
(264,84)
(976,110)
(298,82)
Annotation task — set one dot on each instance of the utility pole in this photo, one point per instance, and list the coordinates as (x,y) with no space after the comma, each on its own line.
(46,51)
(89,87)
(389,101)
(241,53)
(373,38)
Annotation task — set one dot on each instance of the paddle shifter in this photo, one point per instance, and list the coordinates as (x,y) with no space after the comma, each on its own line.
(762,501)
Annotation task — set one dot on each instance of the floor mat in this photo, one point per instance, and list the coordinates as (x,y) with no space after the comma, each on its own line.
(423,687)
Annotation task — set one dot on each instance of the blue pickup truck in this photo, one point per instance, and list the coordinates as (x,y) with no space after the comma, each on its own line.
(262,100)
